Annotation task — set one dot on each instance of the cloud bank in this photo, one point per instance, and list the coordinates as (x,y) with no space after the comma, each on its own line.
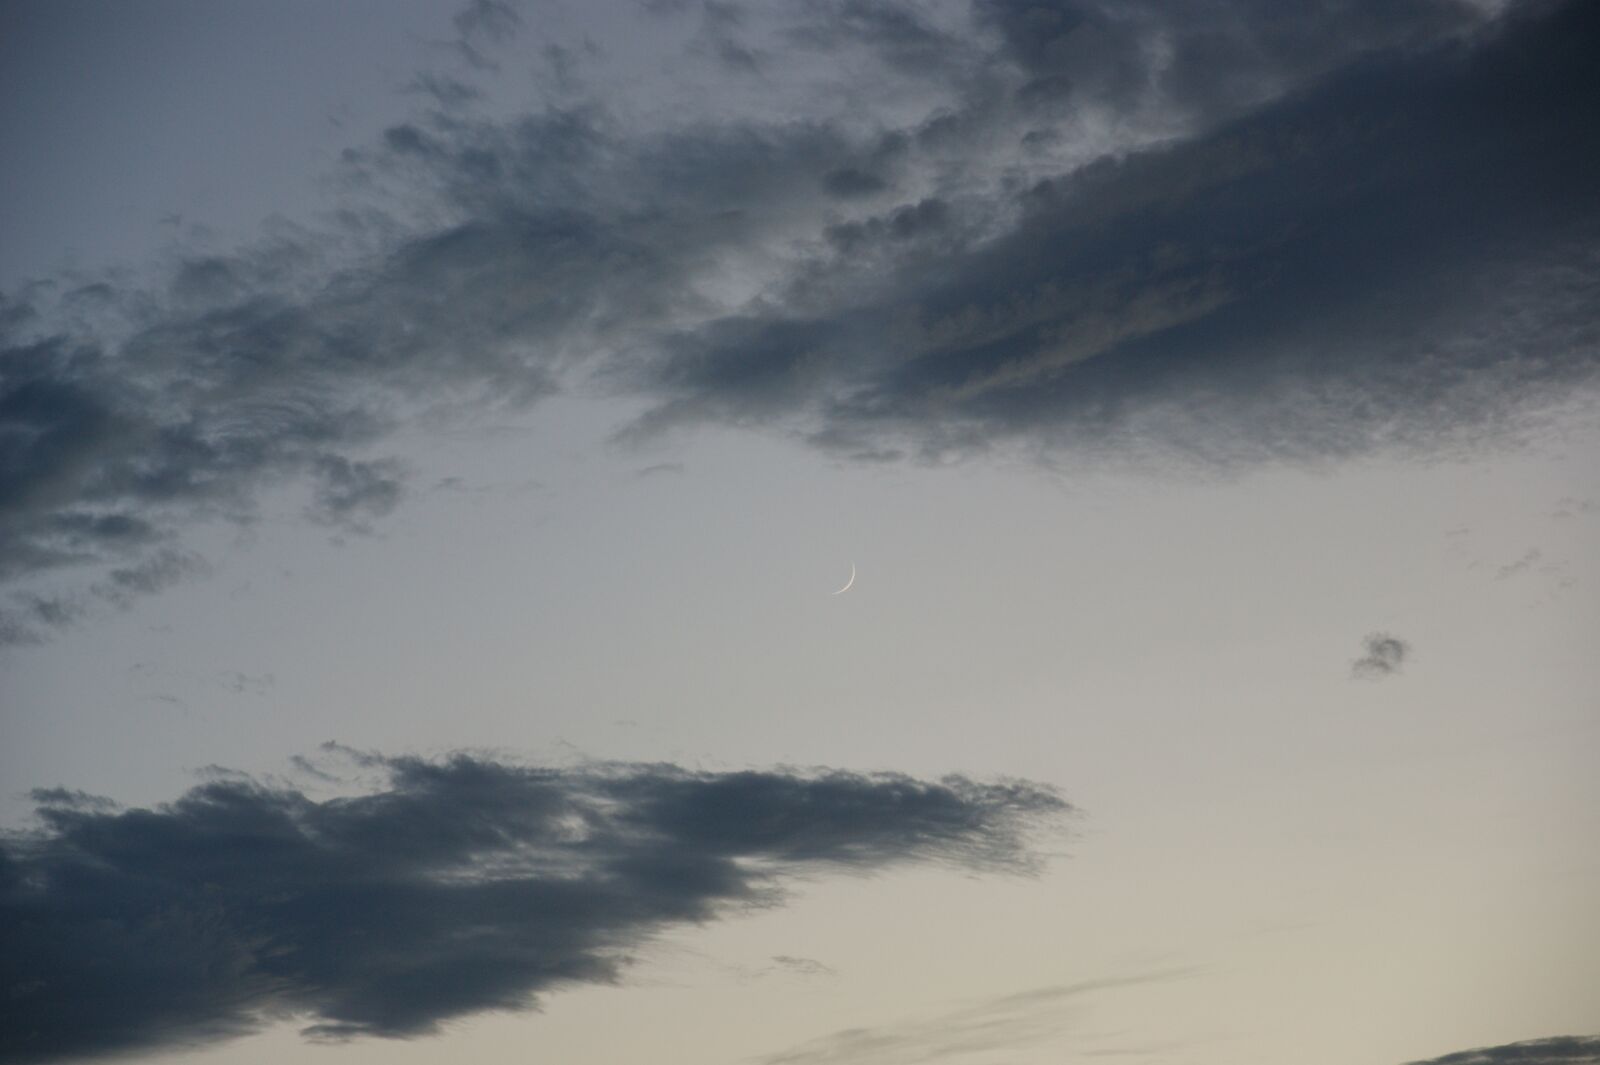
(1221,233)
(459,886)
(1561,1050)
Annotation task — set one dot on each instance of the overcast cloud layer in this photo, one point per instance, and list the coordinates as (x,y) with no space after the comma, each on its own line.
(459,886)
(1221,234)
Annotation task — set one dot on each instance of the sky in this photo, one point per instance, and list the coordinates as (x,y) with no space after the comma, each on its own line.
(434,439)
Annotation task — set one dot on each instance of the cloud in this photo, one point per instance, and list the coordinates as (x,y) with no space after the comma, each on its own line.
(352,493)
(481,25)
(33,615)
(240,683)
(1279,236)
(1529,559)
(161,570)
(112,446)
(1569,507)
(979,1029)
(1384,656)
(490,19)
(1561,1050)
(458,886)
(802,966)
(1353,266)
(1217,56)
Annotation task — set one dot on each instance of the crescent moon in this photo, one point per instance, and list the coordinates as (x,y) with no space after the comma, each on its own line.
(847,583)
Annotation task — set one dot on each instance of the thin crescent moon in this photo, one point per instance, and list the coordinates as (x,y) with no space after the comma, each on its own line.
(847,583)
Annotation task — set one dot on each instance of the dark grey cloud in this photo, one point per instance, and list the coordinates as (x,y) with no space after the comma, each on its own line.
(899,34)
(161,570)
(1328,229)
(273,365)
(1214,57)
(33,616)
(481,25)
(1400,255)
(1384,655)
(1560,1050)
(458,886)
(492,20)
(349,493)
(444,91)
(850,182)
(721,35)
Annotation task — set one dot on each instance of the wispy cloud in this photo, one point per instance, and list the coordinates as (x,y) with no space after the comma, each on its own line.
(1529,559)
(801,966)
(458,886)
(998,1024)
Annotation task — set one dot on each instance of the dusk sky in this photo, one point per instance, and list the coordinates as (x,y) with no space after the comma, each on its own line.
(821,532)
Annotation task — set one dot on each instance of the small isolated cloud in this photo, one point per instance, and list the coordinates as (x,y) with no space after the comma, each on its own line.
(789,963)
(458,886)
(1535,564)
(1560,1050)
(353,494)
(1384,656)
(1529,559)
(243,683)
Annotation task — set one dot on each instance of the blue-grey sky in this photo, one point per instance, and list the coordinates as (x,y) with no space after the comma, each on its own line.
(430,436)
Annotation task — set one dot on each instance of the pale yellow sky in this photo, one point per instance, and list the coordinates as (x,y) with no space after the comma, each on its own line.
(1274,846)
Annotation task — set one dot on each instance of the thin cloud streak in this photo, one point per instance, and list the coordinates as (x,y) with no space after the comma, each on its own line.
(997,1024)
